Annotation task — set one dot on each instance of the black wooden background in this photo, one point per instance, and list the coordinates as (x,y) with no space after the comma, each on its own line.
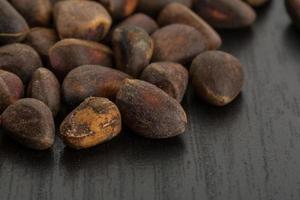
(249,150)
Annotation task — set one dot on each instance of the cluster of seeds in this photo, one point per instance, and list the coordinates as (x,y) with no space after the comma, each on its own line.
(113,62)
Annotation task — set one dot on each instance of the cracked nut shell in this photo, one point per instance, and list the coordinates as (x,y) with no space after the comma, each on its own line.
(93,122)
(217,77)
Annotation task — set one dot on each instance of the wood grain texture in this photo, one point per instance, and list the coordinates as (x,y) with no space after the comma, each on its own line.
(248,150)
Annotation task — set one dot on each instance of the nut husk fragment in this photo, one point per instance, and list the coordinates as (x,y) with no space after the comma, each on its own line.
(177,43)
(13,27)
(149,111)
(45,87)
(19,59)
(217,77)
(68,54)
(170,77)
(11,89)
(93,122)
(228,14)
(87,20)
(30,122)
(120,8)
(178,13)
(133,49)
(36,12)
(91,80)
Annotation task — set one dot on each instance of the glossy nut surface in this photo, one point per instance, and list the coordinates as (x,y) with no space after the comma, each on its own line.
(149,111)
(93,122)
(217,77)
(30,122)
(120,8)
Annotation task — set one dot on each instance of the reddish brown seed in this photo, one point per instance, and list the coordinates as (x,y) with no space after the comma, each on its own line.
(149,111)
(256,3)
(91,80)
(36,12)
(42,39)
(81,19)
(217,77)
(120,8)
(225,13)
(293,8)
(133,49)
(13,27)
(30,122)
(93,122)
(45,87)
(170,77)
(153,7)
(142,21)
(70,53)
(178,13)
(177,43)
(19,59)
(11,89)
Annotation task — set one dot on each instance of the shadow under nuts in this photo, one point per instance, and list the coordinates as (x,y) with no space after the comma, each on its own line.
(45,87)
(149,111)
(13,27)
(171,77)
(19,59)
(120,8)
(293,8)
(30,122)
(11,89)
(217,77)
(133,49)
(93,122)
(178,13)
(81,19)
(177,43)
(225,13)
(36,12)
(91,80)
(68,54)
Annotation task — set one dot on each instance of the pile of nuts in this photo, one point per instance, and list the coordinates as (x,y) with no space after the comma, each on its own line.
(113,64)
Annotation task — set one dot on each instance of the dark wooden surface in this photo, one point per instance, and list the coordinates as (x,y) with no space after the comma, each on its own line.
(249,150)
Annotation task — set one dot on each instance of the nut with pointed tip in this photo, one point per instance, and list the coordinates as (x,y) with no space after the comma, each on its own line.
(13,27)
(171,77)
(177,43)
(149,111)
(91,80)
(228,14)
(217,77)
(93,122)
(19,59)
(133,49)
(81,19)
(30,122)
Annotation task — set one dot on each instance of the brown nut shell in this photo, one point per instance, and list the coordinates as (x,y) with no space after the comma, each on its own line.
(228,14)
(36,12)
(149,111)
(153,7)
(93,122)
(68,54)
(45,87)
(41,39)
(178,13)
(177,43)
(171,77)
(11,89)
(91,80)
(30,122)
(19,59)
(13,27)
(120,8)
(87,20)
(133,49)
(217,77)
